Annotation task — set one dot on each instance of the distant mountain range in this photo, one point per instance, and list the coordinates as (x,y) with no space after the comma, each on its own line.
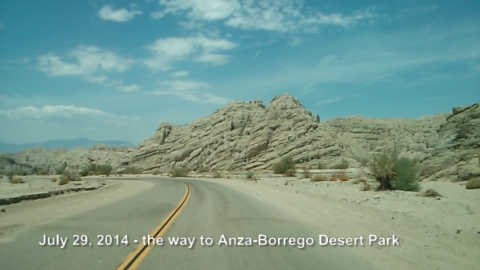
(52,144)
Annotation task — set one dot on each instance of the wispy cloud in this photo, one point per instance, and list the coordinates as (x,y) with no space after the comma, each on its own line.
(87,60)
(256,55)
(189,90)
(180,73)
(197,48)
(108,13)
(327,101)
(295,41)
(416,11)
(270,15)
(128,88)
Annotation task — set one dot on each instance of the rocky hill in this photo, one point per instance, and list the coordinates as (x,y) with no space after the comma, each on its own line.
(253,136)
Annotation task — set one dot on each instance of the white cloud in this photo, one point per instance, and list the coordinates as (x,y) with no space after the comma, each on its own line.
(272,15)
(198,48)
(108,13)
(64,111)
(188,90)
(129,88)
(294,42)
(88,60)
(208,10)
(180,73)
(416,11)
(327,101)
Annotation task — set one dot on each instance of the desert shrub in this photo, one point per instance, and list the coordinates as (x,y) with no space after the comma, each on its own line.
(59,170)
(130,170)
(249,175)
(343,165)
(203,169)
(63,181)
(343,177)
(10,175)
(104,169)
(287,163)
(17,180)
(366,187)
(290,172)
(318,178)
(155,172)
(43,172)
(22,173)
(473,183)
(406,174)
(360,180)
(217,175)
(395,173)
(70,175)
(333,178)
(321,166)
(306,173)
(53,179)
(180,172)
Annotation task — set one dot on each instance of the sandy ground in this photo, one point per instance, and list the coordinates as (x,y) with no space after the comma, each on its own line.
(16,217)
(433,233)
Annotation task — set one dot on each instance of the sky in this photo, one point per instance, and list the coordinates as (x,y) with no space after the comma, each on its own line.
(115,70)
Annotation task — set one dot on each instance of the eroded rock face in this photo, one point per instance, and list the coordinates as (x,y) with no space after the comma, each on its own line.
(252,136)
(242,135)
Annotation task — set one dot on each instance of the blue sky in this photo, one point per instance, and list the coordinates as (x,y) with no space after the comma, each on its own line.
(117,69)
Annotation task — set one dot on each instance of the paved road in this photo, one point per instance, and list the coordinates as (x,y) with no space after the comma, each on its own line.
(212,210)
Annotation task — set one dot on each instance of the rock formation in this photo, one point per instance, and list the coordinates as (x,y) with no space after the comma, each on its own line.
(252,136)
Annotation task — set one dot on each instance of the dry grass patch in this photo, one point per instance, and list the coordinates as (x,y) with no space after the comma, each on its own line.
(366,187)
(53,179)
(343,177)
(360,180)
(333,178)
(63,181)
(319,178)
(17,181)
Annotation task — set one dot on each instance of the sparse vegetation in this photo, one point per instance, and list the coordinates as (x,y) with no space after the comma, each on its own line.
(17,180)
(63,181)
(10,175)
(473,183)
(366,187)
(250,175)
(318,178)
(203,169)
(217,175)
(70,175)
(53,179)
(306,173)
(290,173)
(94,169)
(333,178)
(343,177)
(130,170)
(359,180)
(321,166)
(395,173)
(180,172)
(155,172)
(285,165)
(343,165)
(59,170)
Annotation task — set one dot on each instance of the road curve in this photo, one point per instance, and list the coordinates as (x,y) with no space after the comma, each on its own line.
(211,210)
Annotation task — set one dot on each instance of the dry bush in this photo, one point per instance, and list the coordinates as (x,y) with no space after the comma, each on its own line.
(155,172)
(71,175)
(180,172)
(63,181)
(217,175)
(285,165)
(318,178)
(53,179)
(360,180)
(17,180)
(473,183)
(333,178)
(306,173)
(343,177)
(250,175)
(366,187)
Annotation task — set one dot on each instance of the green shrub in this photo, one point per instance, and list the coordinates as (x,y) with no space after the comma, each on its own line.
(286,164)
(130,170)
(406,174)
(395,173)
(343,165)
(70,175)
(217,175)
(180,172)
(60,169)
(250,175)
(473,183)
(105,169)
(203,169)
(321,166)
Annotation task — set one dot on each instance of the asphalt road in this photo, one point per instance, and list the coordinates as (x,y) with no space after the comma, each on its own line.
(212,210)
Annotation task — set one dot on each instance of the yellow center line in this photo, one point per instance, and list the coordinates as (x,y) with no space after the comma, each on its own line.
(133,260)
